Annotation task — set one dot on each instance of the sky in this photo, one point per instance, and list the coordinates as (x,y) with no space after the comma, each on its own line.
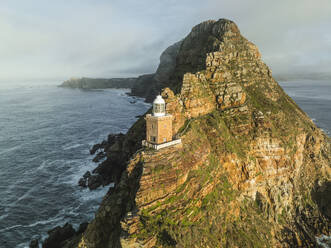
(57,40)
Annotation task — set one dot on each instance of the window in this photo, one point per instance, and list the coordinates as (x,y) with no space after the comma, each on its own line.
(159,108)
(153,139)
(164,139)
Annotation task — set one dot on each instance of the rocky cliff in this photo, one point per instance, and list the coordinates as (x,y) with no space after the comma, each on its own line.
(252,170)
(148,86)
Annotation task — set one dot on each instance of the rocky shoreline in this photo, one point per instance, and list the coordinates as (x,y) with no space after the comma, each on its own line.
(100,175)
(58,235)
(106,172)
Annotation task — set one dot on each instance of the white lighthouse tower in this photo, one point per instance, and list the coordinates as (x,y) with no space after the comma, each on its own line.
(159,126)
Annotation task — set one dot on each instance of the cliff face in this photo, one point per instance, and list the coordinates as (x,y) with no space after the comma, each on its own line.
(252,171)
(148,86)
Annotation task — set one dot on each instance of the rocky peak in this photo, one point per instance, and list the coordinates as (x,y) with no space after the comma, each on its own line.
(246,172)
(202,28)
(214,46)
(167,63)
(214,66)
(225,28)
(219,29)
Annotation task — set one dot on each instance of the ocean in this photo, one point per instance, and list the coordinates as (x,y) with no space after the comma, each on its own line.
(313,97)
(45,136)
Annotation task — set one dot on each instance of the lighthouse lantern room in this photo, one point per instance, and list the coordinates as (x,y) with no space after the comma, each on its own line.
(159,106)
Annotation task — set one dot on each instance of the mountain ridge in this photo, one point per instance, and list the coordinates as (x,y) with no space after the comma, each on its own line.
(252,171)
(146,86)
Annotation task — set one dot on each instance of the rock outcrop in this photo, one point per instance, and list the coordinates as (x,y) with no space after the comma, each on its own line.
(148,86)
(252,171)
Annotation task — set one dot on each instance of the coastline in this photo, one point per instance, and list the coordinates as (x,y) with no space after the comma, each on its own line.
(50,153)
(106,148)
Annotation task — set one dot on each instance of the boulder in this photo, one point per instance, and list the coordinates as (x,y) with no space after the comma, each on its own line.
(94,181)
(87,175)
(98,157)
(95,148)
(82,182)
(34,243)
(58,235)
(82,227)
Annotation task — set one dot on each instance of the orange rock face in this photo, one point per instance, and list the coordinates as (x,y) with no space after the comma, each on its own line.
(251,168)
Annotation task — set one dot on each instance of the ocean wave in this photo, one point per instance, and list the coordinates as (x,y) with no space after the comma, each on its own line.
(49,152)
(324,241)
(74,173)
(86,195)
(40,222)
(72,146)
(121,92)
(325,131)
(11,149)
(25,195)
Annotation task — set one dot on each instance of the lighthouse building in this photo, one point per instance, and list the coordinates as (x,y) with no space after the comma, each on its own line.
(159,126)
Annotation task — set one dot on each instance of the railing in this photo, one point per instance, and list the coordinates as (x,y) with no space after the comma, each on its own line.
(160,146)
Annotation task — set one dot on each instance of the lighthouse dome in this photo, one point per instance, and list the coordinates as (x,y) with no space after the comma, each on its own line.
(159,106)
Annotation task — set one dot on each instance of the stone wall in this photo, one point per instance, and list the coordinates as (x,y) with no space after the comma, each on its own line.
(160,128)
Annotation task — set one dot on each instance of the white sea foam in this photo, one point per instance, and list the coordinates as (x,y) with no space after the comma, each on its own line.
(85,195)
(26,194)
(41,222)
(71,146)
(42,165)
(324,241)
(325,131)
(121,92)
(76,172)
(44,161)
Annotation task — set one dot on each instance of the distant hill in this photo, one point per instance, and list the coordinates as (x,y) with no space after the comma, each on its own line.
(303,76)
(99,83)
(146,86)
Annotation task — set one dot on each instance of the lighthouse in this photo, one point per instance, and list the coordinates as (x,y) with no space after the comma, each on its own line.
(159,126)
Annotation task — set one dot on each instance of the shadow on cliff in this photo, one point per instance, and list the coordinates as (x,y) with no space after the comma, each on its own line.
(204,38)
(130,209)
(321,195)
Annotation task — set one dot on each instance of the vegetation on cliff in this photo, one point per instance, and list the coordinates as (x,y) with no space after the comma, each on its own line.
(252,171)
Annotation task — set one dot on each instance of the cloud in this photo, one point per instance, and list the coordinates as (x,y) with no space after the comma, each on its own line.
(61,39)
